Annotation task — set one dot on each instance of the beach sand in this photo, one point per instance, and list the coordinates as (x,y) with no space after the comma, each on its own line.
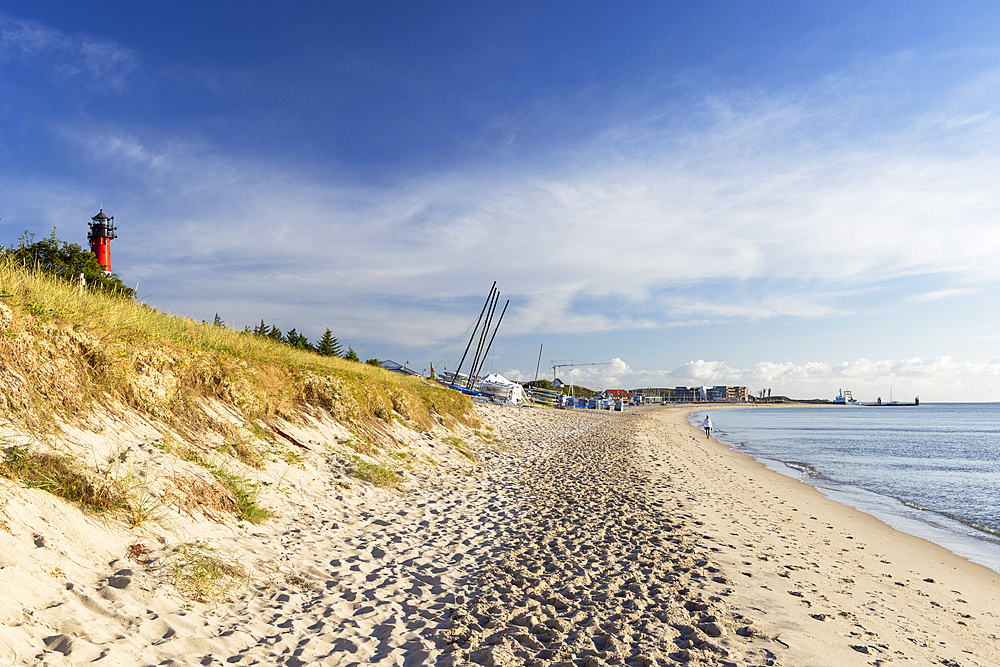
(580,538)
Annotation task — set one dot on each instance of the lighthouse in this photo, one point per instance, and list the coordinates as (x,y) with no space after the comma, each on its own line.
(102,230)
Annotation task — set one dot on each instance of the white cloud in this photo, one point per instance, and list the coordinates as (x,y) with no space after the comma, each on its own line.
(937,379)
(566,233)
(937,295)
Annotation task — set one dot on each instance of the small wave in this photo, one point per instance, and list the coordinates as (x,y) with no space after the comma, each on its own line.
(915,506)
(803,468)
(972,524)
(954,517)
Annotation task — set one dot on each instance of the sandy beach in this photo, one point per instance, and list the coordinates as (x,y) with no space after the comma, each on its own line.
(579,538)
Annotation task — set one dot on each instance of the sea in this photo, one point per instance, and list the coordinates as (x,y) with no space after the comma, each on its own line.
(931,470)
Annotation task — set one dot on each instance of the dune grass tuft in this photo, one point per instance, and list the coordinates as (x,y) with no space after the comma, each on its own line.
(204,575)
(61,476)
(246,494)
(378,474)
(461,447)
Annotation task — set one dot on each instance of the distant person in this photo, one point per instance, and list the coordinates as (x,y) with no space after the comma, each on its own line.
(707,425)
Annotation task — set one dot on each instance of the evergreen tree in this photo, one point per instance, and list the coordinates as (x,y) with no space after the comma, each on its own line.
(260,329)
(218,322)
(373,362)
(328,345)
(274,333)
(297,340)
(352,355)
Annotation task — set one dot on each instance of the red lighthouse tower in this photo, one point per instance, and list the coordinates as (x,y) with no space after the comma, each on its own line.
(102,230)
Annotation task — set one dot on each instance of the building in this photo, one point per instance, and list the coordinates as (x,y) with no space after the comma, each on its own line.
(728,394)
(690,394)
(703,394)
(652,394)
(617,394)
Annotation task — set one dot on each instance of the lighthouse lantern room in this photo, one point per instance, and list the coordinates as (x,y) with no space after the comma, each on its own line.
(102,230)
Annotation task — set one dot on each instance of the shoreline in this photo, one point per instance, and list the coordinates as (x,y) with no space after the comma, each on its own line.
(834,581)
(977,545)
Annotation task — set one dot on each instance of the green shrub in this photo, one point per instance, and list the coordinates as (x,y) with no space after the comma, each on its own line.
(66,261)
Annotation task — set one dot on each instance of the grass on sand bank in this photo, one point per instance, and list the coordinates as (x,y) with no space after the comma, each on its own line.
(63,350)
(201,574)
(378,474)
(60,476)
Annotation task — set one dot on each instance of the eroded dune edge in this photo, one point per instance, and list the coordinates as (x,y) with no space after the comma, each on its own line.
(577,538)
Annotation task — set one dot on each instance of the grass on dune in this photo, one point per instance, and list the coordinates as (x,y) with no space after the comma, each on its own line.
(64,349)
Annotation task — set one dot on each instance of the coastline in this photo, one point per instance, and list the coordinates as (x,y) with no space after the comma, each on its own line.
(969,540)
(838,584)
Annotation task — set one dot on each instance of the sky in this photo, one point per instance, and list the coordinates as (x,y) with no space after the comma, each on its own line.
(800,197)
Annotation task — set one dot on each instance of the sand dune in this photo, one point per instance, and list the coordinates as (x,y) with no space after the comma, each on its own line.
(581,538)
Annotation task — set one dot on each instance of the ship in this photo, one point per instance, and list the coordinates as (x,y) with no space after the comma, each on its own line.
(844,398)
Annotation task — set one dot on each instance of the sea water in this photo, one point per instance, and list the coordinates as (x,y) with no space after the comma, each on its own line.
(931,470)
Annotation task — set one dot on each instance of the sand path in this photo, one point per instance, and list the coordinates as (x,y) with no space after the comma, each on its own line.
(599,570)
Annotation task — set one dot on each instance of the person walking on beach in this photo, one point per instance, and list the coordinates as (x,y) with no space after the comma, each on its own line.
(707,425)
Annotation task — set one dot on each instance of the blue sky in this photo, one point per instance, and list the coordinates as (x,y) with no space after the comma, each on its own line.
(786,195)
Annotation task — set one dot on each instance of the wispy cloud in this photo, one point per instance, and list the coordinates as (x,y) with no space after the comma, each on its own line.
(66,56)
(937,295)
(726,206)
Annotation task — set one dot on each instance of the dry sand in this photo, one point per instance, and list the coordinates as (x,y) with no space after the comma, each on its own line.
(583,538)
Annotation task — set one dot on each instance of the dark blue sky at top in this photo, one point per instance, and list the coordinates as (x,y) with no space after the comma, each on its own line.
(377,88)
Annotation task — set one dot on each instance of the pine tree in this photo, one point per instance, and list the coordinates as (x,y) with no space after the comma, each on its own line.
(297,340)
(352,355)
(218,322)
(274,333)
(260,329)
(328,345)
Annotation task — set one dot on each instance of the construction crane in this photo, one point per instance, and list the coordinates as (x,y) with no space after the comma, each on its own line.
(573,365)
